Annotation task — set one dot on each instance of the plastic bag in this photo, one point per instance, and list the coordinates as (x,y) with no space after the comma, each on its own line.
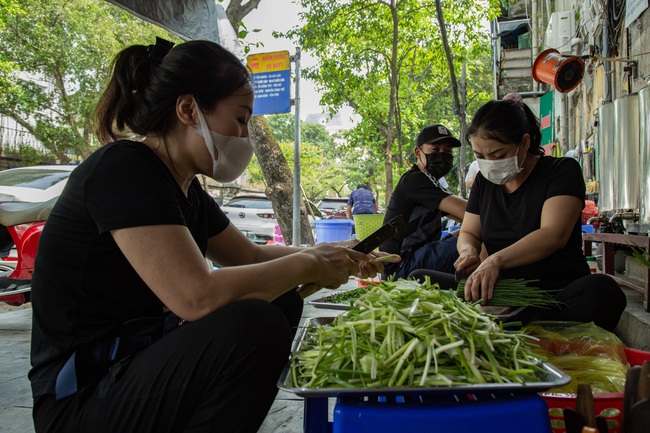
(584,351)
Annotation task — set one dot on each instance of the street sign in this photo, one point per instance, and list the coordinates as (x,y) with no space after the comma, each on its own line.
(271,82)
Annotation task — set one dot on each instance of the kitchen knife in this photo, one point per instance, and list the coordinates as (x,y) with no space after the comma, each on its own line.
(381,235)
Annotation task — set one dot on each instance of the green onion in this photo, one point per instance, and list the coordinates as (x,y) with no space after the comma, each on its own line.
(516,293)
(406,334)
(388,257)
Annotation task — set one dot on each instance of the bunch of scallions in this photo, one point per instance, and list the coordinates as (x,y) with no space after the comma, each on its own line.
(407,334)
(516,292)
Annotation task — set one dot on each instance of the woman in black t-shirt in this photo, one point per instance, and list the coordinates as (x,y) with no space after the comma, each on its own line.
(526,208)
(133,331)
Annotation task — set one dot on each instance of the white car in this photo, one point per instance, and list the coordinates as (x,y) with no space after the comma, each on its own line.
(253,215)
(35,184)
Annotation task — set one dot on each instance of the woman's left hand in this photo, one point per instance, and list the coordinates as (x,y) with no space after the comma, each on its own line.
(480,283)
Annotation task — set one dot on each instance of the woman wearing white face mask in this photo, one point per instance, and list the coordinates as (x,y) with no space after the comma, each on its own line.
(122,263)
(526,209)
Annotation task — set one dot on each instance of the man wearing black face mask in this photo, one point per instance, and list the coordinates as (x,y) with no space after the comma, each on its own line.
(421,199)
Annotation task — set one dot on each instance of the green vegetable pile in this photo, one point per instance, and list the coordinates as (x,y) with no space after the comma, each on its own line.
(409,334)
(349,296)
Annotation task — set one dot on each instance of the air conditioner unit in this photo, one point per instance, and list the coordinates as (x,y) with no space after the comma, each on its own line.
(560,31)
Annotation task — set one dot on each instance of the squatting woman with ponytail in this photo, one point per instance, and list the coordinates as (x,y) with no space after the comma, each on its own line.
(133,331)
(526,209)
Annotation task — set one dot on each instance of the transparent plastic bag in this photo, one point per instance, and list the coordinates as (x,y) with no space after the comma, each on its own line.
(584,351)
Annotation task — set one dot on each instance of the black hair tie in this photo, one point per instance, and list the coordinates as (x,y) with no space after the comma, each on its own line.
(158,51)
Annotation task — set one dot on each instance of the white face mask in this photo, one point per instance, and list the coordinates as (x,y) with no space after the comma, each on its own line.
(234,153)
(500,171)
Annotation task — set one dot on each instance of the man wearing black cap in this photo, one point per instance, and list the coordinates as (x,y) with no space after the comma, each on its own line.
(423,201)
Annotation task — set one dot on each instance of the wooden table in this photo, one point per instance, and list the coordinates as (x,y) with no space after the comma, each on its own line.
(612,242)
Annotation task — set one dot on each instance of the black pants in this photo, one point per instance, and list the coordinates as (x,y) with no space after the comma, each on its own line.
(593,298)
(217,374)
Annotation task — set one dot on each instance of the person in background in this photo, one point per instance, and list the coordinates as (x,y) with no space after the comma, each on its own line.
(361,201)
(471,174)
(423,201)
(526,209)
(133,331)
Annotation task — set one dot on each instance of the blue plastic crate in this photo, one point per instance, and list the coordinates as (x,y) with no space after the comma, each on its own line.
(333,230)
(511,413)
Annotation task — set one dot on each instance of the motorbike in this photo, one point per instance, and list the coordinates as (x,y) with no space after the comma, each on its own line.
(21,225)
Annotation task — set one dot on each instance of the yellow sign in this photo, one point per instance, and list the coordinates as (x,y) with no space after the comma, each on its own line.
(269,62)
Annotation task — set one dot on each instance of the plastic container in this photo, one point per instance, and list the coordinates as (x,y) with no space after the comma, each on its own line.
(448,413)
(278,237)
(587,228)
(333,230)
(593,264)
(364,224)
(609,405)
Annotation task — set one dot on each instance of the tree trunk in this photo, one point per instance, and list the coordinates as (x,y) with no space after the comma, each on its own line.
(458,108)
(278,176)
(279,180)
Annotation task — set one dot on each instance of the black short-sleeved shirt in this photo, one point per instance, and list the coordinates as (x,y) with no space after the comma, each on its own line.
(416,197)
(506,218)
(83,287)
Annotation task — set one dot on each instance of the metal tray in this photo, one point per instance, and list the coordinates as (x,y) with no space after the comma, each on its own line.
(550,377)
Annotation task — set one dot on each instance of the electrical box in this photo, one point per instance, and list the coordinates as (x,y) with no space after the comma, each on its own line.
(560,31)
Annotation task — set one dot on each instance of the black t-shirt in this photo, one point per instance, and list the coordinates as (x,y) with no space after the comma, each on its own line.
(416,197)
(506,218)
(83,287)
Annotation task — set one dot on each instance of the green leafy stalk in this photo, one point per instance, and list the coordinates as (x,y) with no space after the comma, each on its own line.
(640,255)
(516,293)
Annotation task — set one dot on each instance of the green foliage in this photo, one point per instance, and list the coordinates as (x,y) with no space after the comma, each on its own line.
(387,61)
(55,57)
(32,156)
(322,158)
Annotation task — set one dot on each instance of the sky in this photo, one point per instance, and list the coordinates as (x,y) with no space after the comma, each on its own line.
(282,15)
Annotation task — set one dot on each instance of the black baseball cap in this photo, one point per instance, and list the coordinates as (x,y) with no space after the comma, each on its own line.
(434,133)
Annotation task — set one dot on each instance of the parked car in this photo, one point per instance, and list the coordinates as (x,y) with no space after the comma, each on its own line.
(34,184)
(253,214)
(333,207)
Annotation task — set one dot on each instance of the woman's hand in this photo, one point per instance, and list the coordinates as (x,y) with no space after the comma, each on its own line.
(480,283)
(334,266)
(468,261)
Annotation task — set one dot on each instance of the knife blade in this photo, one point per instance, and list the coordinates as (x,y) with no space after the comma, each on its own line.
(381,235)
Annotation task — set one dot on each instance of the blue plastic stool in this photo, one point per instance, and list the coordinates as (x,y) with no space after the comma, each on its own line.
(449,413)
(458,413)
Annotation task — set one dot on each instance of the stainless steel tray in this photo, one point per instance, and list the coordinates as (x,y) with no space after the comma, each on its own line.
(550,377)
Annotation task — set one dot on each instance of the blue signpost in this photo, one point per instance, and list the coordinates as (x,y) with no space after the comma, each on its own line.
(271,82)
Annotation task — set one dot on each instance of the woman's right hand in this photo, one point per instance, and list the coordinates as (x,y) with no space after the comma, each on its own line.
(468,260)
(334,266)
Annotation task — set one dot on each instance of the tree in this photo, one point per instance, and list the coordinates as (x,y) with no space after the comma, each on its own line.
(54,55)
(278,176)
(385,58)
(322,162)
